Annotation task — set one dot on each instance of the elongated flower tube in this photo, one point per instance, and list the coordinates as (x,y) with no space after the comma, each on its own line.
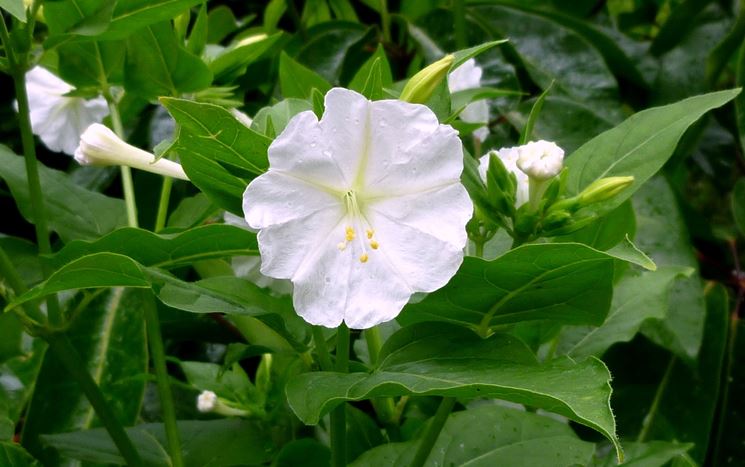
(57,119)
(468,76)
(509,157)
(361,209)
(101,146)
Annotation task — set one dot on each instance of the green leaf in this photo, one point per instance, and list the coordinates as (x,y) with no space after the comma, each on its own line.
(69,18)
(373,88)
(165,251)
(535,111)
(607,231)
(109,335)
(210,139)
(203,443)
(462,56)
(199,32)
(158,65)
(295,80)
(234,60)
(568,283)
(279,114)
(95,64)
(652,454)
(15,8)
(442,360)
(132,15)
(222,23)
(639,146)
(13,455)
(637,297)
(627,251)
(307,452)
(738,205)
(364,73)
(740,100)
(491,435)
(232,384)
(72,211)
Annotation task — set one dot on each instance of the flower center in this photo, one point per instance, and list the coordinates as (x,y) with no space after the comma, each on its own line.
(357,223)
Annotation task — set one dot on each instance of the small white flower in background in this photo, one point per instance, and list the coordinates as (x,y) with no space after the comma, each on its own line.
(206,401)
(101,146)
(509,156)
(468,76)
(362,209)
(541,160)
(249,267)
(59,120)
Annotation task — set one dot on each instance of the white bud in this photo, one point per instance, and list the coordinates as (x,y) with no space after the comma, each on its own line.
(101,146)
(540,160)
(206,401)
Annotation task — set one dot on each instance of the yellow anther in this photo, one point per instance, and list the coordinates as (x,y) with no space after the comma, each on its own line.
(350,234)
(363,258)
(342,246)
(374,245)
(370,233)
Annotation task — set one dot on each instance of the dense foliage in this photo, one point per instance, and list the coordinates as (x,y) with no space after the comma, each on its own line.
(595,317)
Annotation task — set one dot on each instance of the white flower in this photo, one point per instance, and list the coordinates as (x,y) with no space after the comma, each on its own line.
(206,401)
(541,160)
(101,146)
(59,120)
(468,76)
(509,156)
(242,117)
(361,209)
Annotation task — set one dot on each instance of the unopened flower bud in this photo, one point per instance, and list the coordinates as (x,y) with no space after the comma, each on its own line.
(208,402)
(100,146)
(422,85)
(605,188)
(540,160)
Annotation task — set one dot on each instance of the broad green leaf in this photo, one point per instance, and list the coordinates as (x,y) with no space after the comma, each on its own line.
(233,61)
(490,435)
(462,56)
(17,378)
(442,360)
(639,146)
(637,297)
(199,32)
(738,205)
(279,115)
(16,8)
(191,212)
(158,65)
(627,251)
(222,23)
(662,234)
(651,454)
(568,283)
(678,24)
(273,12)
(109,335)
(211,136)
(132,15)
(13,455)
(76,18)
(295,80)
(72,211)
(232,384)
(307,452)
(364,74)
(363,432)
(608,231)
(91,63)
(210,443)
(165,251)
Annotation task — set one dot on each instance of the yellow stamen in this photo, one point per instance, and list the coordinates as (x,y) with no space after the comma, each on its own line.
(370,233)
(363,258)
(374,245)
(350,234)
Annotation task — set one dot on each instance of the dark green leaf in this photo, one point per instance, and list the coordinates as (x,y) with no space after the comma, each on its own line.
(738,205)
(13,455)
(234,60)
(199,32)
(72,211)
(436,359)
(363,74)
(132,15)
(740,100)
(92,63)
(570,283)
(306,452)
(222,23)
(16,8)
(652,454)
(297,81)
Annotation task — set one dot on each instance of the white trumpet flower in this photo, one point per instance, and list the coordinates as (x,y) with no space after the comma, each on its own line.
(509,157)
(361,209)
(468,76)
(101,146)
(59,120)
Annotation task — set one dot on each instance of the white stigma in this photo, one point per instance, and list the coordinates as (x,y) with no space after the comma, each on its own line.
(357,223)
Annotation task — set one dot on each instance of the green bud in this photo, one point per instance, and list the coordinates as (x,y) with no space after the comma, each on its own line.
(556,220)
(421,86)
(604,189)
(501,186)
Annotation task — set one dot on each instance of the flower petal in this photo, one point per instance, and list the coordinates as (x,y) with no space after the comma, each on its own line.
(441,213)
(276,198)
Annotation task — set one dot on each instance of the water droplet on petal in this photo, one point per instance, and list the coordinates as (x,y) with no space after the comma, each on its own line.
(327,153)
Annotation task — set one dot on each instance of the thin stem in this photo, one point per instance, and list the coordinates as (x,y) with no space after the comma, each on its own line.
(726,382)
(374,343)
(459,11)
(155,341)
(338,415)
(479,249)
(165,197)
(126,172)
(649,419)
(324,357)
(433,431)
(385,19)
(385,407)
(38,208)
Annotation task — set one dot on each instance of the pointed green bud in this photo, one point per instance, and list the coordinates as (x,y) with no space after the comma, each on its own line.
(604,189)
(422,85)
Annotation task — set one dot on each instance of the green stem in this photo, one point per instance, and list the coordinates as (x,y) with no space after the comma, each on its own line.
(338,415)
(649,419)
(479,249)
(324,357)
(433,431)
(726,383)
(165,197)
(385,19)
(374,343)
(38,208)
(459,11)
(385,407)
(155,341)
(126,172)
